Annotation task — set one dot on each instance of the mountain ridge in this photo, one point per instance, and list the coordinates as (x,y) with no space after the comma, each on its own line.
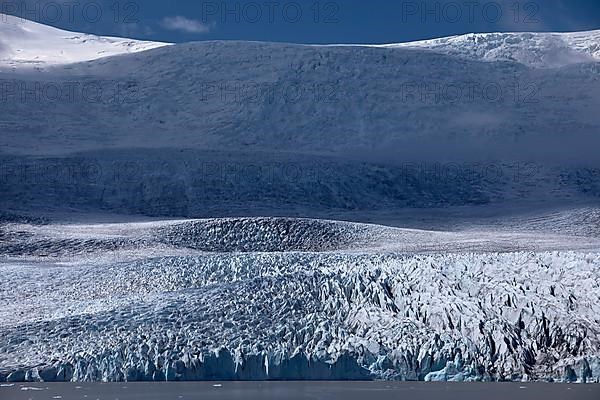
(541,47)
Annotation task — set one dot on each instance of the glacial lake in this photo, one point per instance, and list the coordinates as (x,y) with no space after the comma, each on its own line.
(299,390)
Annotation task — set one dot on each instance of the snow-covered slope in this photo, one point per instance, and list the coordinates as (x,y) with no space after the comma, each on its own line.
(28,44)
(370,125)
(390,103)
(539,50)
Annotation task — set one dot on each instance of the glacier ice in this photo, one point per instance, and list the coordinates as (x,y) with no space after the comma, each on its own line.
(239,309)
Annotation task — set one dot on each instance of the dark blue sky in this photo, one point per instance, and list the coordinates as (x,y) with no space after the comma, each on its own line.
(308,21)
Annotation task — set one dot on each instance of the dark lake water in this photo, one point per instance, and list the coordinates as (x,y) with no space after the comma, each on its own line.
(300,390)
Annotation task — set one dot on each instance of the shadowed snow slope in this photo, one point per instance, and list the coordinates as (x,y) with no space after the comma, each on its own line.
(296,128)
(354,100)
(27,44)
(246,235)
(203,184)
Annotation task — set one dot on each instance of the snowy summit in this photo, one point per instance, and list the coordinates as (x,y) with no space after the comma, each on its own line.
(25,43)
(541,50)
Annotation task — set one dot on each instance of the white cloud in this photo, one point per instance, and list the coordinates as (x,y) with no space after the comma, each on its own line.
(183,24)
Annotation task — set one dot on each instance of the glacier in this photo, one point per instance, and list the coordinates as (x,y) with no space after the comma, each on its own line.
(271,211)
(287,299)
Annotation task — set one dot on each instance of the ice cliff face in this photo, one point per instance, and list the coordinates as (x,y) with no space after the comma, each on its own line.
(368,314)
